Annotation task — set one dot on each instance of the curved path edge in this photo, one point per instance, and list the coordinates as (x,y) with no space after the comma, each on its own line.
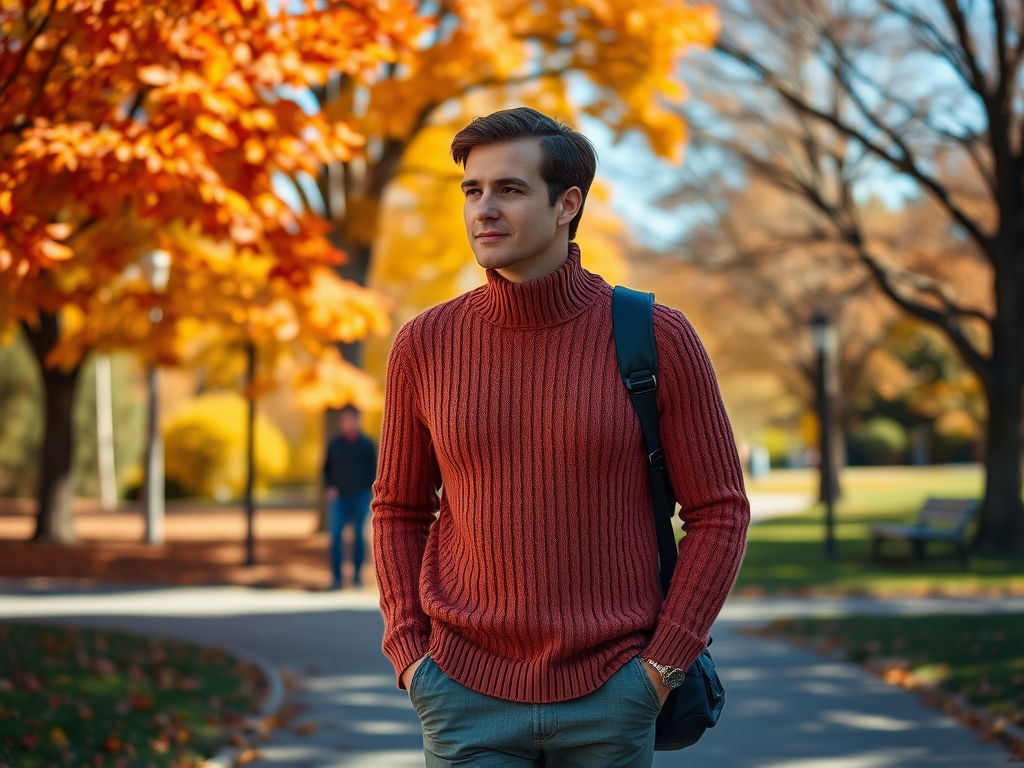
(271,703)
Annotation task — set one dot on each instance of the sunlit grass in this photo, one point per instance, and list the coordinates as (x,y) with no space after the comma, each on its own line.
(787,554)
(946,480)
(77,696)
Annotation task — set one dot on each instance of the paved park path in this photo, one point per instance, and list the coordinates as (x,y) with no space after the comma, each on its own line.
(787,708)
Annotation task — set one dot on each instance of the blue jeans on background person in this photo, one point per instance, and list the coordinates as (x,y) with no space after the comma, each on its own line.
(349,509)
(613,727)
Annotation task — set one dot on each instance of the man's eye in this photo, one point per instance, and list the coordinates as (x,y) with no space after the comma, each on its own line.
(510,189)
(471,192)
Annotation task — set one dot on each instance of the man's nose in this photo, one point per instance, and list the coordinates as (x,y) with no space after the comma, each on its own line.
(485,208)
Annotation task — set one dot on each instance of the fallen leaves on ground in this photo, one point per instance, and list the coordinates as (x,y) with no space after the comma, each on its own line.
(111,699)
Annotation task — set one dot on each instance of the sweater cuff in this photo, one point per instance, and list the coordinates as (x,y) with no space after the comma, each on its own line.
(403,650)
(674,646)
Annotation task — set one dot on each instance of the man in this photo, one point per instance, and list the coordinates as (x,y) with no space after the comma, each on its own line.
(520,617)
(349,471)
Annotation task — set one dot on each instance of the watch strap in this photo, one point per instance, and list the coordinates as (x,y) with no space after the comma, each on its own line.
(672,677)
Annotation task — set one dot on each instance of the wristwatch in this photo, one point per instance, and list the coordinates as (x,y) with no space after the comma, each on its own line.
(672,677)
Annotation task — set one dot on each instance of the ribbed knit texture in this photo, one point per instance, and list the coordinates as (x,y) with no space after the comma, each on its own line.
(538,580)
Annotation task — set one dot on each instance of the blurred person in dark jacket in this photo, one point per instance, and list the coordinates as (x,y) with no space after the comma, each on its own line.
(349,472)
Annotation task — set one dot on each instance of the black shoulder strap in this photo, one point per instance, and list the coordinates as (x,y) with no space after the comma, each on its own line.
(633,329)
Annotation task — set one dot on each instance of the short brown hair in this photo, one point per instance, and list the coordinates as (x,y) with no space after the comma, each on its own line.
(569,159)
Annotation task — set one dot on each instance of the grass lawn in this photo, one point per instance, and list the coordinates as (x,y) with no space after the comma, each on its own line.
(98,698)
(978,657)
(786,555)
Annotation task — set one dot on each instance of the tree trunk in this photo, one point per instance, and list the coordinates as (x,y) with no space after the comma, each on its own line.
(356,269)
(105,458)
(54,516)
(1001,526)
(250,461)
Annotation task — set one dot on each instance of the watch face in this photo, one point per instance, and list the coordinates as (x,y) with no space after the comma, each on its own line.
(674,677)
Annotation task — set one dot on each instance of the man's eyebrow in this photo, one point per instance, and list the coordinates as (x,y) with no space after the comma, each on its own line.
(513,180)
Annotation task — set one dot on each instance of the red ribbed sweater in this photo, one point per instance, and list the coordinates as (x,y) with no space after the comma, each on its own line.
(537,579)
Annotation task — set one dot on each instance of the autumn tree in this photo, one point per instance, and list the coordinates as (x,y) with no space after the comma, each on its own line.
(927,92)
(756,178)
(130,125)
(622,54)
(773,276)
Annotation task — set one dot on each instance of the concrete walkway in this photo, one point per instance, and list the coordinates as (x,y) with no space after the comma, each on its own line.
(786,707)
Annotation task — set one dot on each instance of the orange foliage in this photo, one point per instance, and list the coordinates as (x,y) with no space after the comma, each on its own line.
(136,124)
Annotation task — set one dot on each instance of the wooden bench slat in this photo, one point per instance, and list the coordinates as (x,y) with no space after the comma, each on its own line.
(944,520)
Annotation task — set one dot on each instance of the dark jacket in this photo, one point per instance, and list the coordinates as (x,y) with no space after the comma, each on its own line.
(351,467)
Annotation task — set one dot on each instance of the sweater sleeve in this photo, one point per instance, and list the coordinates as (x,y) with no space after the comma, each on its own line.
(404,507)
(705,472)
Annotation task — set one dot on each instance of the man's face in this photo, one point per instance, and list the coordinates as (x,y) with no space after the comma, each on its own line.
(510,223)
(349,423)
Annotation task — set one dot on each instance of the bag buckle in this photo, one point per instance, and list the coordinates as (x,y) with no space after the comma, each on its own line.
(656,459)
(641,382)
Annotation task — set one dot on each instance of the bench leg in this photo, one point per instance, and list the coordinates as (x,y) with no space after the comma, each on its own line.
(919,549)
(876,548)
(961,550)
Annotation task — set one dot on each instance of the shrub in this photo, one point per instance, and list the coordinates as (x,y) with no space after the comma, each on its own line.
(205,444)
(879,440)
(779,443)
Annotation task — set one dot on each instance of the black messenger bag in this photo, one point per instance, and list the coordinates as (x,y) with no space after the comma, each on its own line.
(696,705)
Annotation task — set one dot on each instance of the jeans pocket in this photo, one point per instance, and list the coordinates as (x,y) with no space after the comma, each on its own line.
(417,676)
(645,679)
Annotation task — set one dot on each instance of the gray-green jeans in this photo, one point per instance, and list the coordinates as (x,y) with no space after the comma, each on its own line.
(613,727)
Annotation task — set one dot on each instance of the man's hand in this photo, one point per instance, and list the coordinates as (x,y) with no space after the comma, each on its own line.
(331,493)
(659,685)
(411,670)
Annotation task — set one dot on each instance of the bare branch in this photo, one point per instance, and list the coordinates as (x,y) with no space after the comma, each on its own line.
(968,48)
(906,163)
(935,41)
(27,48)
(1002,54)
(137,102)
(945,320)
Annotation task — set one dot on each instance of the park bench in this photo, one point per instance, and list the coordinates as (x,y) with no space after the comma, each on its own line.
(940,520)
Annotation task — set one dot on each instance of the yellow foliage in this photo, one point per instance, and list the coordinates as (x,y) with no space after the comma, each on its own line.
(629,50)
(957,424)
(331,382)
(205,446)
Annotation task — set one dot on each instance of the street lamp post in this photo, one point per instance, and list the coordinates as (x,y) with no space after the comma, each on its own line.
(824,338)
(156,266)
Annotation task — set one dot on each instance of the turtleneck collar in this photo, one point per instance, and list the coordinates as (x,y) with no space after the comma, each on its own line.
(549,300)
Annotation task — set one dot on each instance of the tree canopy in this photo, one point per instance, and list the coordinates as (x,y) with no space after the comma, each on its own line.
(127,126)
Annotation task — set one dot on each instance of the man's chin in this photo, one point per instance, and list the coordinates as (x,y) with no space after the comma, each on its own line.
(493,260)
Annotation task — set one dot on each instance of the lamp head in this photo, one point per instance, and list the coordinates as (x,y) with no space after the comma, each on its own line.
(822,333)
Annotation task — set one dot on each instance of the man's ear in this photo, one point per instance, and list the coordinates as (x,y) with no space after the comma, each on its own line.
(569,203)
